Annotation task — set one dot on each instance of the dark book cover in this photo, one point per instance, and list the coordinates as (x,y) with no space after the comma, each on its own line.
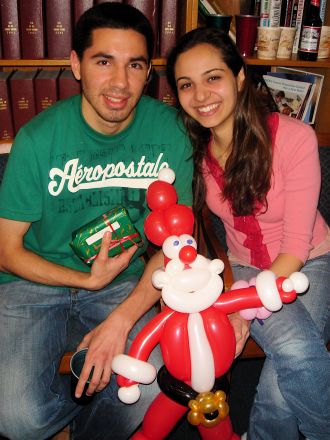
(79,7)
(169,26)
(31,29)
(67,85)
(58,28)
(46,88)
(6,121)
(22,97)
(150,9)
(10,29)
(160,89)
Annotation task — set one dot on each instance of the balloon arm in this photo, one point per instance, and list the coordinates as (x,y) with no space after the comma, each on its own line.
(145,341)
(246,298)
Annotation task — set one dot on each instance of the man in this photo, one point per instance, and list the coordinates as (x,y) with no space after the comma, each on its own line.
(69,165)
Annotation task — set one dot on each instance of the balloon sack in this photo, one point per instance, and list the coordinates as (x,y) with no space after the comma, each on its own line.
(86,241)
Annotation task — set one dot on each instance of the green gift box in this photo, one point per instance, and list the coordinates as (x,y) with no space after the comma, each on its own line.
(86,241)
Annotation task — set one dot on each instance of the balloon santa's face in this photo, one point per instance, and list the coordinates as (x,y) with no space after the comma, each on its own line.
(190,282)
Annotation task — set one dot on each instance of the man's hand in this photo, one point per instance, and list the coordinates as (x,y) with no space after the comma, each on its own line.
(103,342)
(242,331)
(105,269)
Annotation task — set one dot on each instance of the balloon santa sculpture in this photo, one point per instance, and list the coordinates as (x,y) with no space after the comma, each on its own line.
(195,336)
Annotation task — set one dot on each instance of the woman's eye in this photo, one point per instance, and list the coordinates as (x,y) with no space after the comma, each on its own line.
(213,78)
(185,86)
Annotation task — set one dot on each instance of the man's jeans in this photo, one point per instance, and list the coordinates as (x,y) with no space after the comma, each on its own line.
(294,387)
(35,400)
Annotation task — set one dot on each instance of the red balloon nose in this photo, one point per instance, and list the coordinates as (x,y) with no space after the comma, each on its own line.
(188,254)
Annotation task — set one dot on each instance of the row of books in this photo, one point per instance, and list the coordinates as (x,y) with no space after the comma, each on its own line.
(288,13)
(25,93)
(39,29)
(296,93)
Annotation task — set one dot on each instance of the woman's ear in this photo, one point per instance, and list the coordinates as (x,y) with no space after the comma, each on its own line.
(240,79)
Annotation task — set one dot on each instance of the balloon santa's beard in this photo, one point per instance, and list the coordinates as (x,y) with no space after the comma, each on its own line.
(189,290)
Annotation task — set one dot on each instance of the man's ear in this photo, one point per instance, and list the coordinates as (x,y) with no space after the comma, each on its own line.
(75,65)
(240,79)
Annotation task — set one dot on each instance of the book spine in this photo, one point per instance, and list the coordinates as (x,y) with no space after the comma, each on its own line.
(150,9)
(6,122)
(294,13)
(169,26)
(10,29)
(275,13)
(79,7)
(31,29)
(58,28)
(300,13)
(257,6)
(22,100)
(206,6)
(45,91)
(264,12)
(160,88)
(323,6)
(287,21)
(67,85)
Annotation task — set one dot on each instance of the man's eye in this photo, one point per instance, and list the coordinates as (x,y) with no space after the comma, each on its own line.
(137,66)
(103,62)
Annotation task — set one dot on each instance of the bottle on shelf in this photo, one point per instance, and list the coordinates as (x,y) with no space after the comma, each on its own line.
(310,33)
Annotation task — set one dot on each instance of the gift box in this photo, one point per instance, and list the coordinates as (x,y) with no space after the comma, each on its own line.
(86,241)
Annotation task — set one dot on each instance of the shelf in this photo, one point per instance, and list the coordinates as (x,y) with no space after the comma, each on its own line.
(293,62)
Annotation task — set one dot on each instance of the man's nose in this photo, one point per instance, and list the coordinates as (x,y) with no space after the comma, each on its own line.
(119,77)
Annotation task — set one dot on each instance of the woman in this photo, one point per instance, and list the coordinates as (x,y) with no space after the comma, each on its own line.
(259,172)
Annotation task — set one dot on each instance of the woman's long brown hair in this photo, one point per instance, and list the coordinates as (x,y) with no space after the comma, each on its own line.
(247,172)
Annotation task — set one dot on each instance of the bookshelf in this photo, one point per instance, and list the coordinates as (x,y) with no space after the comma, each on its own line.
(189,20)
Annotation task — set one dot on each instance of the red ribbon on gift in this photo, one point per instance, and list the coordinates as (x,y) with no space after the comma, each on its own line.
(116,241)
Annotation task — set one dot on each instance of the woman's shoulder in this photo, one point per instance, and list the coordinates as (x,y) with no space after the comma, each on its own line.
(292,131)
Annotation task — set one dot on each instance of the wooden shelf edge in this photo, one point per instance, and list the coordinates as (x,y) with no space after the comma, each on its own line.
(292,62)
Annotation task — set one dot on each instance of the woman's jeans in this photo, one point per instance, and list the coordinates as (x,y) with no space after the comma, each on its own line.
(35,403)
(293,393)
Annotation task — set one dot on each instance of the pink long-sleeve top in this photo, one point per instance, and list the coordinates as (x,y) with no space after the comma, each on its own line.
(292,224)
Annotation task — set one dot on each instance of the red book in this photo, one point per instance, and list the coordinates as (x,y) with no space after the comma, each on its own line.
(150,9)
(10,29)
(67,85)
(31,29)
(22,97)
(169,26)
(79,7)
(58,28)
(6,122)
(45,85)
(160,88)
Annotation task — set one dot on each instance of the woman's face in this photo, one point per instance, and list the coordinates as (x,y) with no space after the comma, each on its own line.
(207,88)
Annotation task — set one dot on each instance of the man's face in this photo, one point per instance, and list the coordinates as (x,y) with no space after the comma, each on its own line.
(113,73)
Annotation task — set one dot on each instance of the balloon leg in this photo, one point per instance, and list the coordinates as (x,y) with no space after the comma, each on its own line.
(160,418)
(223,431)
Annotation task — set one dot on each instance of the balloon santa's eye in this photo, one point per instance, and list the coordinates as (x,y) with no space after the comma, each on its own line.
(172,246)
(188,240)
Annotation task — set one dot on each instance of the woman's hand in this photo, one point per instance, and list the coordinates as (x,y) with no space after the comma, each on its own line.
(241,329)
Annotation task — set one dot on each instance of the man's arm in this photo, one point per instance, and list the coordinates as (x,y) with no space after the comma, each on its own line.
(109,338)
(15,259)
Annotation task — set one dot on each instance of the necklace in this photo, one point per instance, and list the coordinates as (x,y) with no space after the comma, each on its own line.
(220,156)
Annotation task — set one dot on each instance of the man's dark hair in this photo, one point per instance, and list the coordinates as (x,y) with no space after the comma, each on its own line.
(114,16)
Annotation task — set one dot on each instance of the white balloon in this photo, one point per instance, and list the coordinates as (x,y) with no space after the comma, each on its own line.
(133,369)
(129,394)
(300,281)
(202,361)
(159,278)
(267,290)
(166,175)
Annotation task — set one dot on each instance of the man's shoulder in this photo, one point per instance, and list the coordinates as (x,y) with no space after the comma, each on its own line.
(156,107)
(58,111)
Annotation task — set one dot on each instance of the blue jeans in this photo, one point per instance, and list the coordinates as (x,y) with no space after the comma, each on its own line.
(35,402)
(293,393)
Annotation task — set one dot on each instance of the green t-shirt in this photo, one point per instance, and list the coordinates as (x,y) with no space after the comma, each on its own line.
(61,174)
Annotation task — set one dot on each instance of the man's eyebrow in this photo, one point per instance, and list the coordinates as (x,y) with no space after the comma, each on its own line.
(108,56)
